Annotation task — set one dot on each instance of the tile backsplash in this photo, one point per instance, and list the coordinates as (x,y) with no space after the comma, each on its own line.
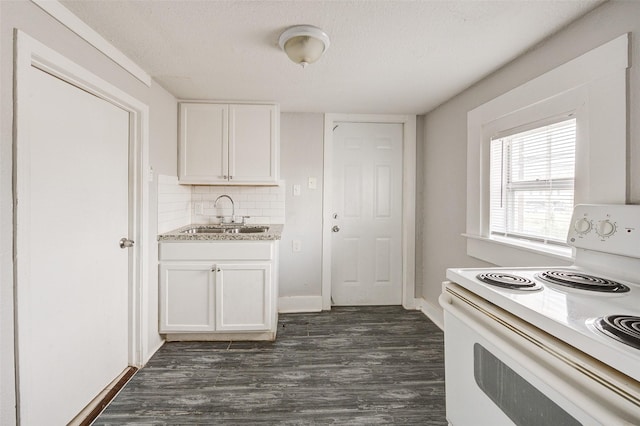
(174,204)
(263,204)
(180,205)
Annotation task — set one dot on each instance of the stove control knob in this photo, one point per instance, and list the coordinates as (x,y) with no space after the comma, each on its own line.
(605,228)
(582,226)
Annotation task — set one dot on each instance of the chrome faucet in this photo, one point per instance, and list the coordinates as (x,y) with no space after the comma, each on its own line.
(233,206)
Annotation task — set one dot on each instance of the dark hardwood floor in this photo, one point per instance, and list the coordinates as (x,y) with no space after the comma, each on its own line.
(359,366)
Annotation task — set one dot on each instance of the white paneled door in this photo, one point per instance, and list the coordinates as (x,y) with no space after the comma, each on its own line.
(366,266)
(72,276)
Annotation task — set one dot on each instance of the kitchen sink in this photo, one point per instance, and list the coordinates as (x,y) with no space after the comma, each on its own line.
(247,230)
(203,230)
(226,230)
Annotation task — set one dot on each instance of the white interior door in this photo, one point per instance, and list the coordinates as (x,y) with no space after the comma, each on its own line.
(72,276)
(366,261)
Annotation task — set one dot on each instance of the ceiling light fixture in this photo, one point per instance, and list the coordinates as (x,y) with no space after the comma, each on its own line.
(304,44)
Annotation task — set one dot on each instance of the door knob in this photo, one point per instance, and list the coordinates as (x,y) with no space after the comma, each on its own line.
(335,228)
(126,243)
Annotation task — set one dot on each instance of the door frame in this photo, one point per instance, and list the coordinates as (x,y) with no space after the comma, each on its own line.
(409,159)
(32,53)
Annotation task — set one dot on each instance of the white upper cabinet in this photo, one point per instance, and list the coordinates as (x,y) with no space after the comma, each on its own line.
(229,144)
(204,143)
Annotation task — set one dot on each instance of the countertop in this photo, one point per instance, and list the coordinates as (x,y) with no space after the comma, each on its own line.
(273,233)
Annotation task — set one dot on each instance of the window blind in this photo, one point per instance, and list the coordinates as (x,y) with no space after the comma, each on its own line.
(532,182)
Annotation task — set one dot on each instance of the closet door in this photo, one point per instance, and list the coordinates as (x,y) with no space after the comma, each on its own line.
(72,276)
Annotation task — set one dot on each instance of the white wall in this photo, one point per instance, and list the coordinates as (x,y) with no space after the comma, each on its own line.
(27,17)
(163,159)
(301,139)
(445,134)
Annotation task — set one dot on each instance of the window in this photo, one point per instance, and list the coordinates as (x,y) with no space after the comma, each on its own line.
(532,182)
(522,181)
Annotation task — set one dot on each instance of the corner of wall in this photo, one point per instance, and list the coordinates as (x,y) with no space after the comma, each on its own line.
(434,313)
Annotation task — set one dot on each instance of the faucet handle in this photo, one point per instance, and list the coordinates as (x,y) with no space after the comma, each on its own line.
(223,219)
(242,219)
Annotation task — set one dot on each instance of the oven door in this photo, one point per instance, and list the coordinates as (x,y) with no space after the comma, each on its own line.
(502,371)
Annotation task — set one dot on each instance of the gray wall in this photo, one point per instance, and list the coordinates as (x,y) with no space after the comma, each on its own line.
(27,17)
(445,139)
(301,157)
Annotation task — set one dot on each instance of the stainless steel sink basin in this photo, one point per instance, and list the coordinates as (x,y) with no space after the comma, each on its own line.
(203,230)
(226,230)
(247,230)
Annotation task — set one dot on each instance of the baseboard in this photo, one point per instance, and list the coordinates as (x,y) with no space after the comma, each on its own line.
(293,304)
(432,312)
(221,337)
(91,412)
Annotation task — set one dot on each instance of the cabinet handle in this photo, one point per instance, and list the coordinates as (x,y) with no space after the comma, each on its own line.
(224,176)
(215,269)
(230,177)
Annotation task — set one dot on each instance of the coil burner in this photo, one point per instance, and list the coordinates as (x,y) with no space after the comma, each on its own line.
(582,281)
(512,282)
(624,328)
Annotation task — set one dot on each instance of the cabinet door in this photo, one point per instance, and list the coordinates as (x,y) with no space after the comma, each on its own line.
(243,297)
(203,143)
(187,298)
(253,143)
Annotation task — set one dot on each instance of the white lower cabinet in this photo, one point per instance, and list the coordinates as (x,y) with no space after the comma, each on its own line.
(243,295)
(187,297)
(218,290)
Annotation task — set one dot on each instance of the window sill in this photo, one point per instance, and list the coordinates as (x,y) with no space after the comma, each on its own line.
(512,252)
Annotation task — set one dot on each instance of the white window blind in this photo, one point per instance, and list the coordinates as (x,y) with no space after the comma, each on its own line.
(531,183)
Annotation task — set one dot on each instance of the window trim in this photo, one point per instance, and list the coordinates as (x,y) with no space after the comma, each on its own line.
(593,87)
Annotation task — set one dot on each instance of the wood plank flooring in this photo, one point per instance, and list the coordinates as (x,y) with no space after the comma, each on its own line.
(352,365)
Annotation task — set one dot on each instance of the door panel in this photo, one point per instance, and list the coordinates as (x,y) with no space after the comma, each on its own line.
(367,199)
(352,199)
(351,255)
(383,260)
(383,191)
(73,278)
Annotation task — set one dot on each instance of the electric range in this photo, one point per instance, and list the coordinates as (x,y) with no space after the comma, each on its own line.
(585,315)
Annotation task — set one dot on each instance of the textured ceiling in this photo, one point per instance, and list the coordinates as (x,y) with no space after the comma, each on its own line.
(385,56)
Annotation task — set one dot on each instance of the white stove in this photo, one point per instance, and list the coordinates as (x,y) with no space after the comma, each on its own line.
(555,314)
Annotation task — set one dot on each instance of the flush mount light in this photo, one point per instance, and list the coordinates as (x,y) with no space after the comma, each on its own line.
(304,44)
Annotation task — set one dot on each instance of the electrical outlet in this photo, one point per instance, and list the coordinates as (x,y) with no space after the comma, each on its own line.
(199,208)
(296,190)
(313,183)
(296,246)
